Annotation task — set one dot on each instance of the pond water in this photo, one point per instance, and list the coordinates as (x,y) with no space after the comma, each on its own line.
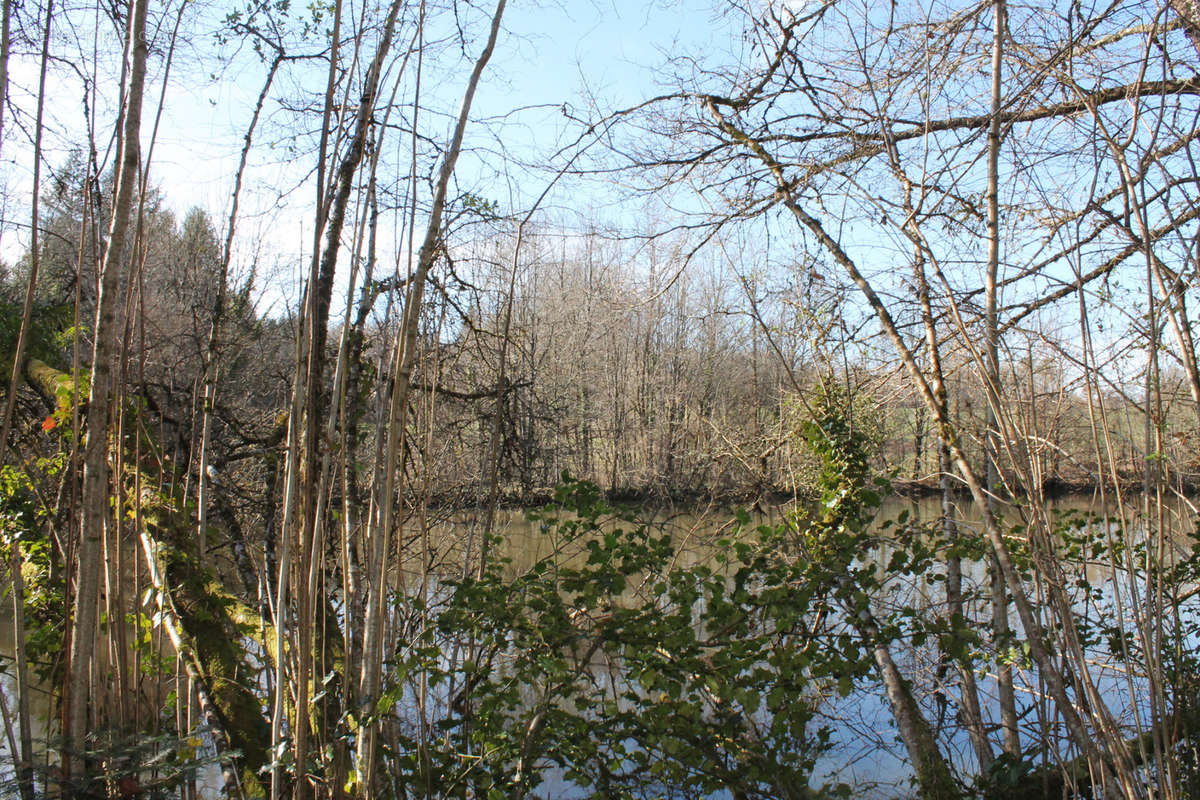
(865,751)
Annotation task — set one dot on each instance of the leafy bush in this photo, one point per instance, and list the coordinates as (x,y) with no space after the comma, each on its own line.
(617,668)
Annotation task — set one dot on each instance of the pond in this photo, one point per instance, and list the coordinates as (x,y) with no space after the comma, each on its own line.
(864,750)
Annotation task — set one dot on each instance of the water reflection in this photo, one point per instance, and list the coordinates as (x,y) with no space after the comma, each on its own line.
(865,749)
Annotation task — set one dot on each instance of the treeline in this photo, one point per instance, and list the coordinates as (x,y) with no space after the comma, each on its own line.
(652,372)
(679,378)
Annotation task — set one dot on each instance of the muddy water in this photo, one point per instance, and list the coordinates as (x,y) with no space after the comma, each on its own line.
(866,752)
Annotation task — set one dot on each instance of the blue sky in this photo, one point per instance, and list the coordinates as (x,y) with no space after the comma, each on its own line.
(550,55)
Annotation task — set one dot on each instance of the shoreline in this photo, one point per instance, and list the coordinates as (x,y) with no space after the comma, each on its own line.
(909,488)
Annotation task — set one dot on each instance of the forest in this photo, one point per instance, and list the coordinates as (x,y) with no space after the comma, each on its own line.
(735,399)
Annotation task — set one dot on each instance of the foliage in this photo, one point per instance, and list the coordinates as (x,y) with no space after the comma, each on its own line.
(839,438)
(45,337)
(23,520)
(150,766)
(617,666)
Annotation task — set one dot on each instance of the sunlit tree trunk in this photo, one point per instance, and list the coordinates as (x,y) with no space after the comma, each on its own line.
(403,358)
(314,479)
(1000,626)
(913,203)
(969,696)
(294,501)
(95,459)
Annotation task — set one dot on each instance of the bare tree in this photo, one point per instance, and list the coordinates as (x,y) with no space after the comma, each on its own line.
(96,453)
(403,358)
(879,99)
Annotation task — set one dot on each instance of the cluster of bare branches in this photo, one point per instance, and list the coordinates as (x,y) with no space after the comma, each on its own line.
(981,218)
(984,175)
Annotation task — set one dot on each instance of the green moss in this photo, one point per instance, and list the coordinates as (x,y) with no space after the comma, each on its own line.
(49,333)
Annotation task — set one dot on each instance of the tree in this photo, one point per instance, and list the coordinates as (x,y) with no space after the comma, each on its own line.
(873,106)
(95,498)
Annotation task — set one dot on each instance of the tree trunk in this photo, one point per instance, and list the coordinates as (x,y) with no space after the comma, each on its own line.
(1106,751)
(1001,630)
(934,779)
(5,40)
(95,458)
(403,358)
(23,759)
(203,624)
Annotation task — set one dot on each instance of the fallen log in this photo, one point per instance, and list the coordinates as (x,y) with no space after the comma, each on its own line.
(206,626)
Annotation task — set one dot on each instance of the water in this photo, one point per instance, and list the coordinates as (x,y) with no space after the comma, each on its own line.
(865,751)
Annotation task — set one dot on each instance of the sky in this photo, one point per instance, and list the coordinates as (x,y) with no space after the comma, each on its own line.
(553,57)
(549,55)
